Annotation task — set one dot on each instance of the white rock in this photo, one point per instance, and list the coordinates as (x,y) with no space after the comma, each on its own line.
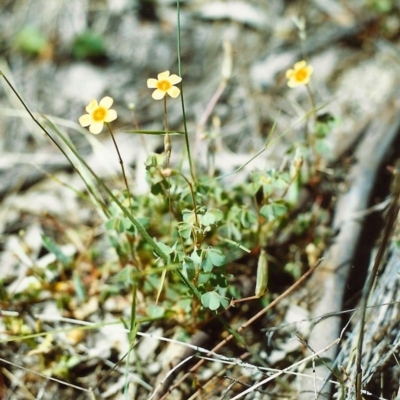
(238,11)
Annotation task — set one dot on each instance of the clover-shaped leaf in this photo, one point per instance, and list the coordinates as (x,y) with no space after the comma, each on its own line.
(211,217)
(217,256)
(119,224)
(188,268)
(273,211)
(212,257)
(184,230)
(213,301)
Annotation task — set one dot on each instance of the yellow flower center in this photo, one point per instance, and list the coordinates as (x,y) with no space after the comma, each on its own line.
(99,114)
(301,74)
(164,85)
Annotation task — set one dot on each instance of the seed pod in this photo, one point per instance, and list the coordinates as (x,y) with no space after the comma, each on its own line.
(262,274)
(226,69)
(297,163)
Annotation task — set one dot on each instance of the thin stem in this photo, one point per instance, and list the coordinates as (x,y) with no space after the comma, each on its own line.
(193,198)
(192,174)
(122,166)
(312,101)
(167,139)
(310,137)
(165,115)
(126,185)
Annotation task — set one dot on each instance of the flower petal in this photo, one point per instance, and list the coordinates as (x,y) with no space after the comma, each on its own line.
(152,83)
(299,65)
(174,79)
(292,83)
(92,106)
(158,94)
(96,128)
(110,116)
(163,75)
(106,102)
(309,69)
(85,120)
(173,92)
(290,73)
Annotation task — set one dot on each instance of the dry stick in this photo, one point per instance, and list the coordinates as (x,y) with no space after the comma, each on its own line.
(388,230)
(331,278)
(244,326)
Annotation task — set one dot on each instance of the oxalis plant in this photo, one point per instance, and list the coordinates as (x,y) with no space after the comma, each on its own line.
(175,243)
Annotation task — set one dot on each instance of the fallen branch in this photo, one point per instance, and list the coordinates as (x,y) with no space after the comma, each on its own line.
(331,278)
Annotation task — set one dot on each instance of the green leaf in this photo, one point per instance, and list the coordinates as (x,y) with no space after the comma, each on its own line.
(207,264)
(188,268)
(247,217)
(217,257)
(53,248)
(144,221)
(155,311)
(160,187)
(88,45)
(30,41)
(231,231)
(213,301)
(203,278)
(273,211)
(212,257)
(184,230)
(211,217)
(120,224)
(189,217)
(124,276)
(219,280)
(79,287)
(196,257)
(166,249)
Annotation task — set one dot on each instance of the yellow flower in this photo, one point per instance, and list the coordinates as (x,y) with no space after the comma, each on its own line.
(300,74)
(98,114)
(164,84)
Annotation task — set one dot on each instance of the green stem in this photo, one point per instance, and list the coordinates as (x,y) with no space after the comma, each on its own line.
(167,139)
(310,136)
(122,166)
(182,99)
(193,198)
(165,115)
(312,101)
